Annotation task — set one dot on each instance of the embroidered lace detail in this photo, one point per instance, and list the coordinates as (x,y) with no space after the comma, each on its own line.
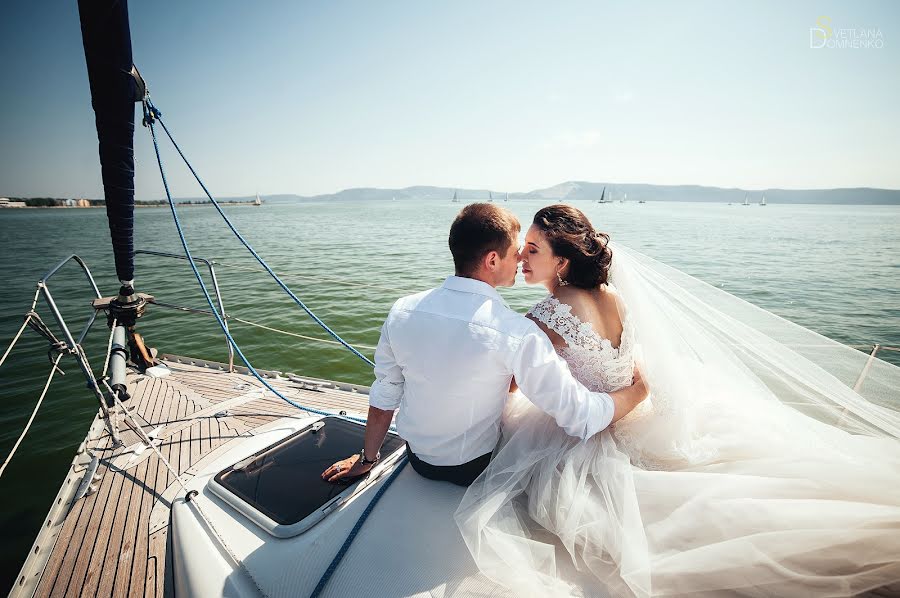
(601,367)
(592,359)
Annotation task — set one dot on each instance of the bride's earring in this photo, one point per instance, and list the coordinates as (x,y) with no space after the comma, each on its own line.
(562,282)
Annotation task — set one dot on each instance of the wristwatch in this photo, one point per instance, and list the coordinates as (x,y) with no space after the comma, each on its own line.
(362,457)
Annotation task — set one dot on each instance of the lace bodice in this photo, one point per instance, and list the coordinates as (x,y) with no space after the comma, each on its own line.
(592,359)
(601,367)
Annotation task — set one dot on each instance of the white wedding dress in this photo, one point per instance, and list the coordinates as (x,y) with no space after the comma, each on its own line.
(752,469)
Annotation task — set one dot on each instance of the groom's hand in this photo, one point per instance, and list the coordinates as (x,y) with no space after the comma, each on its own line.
(349,468)
(637,382)
(629,397)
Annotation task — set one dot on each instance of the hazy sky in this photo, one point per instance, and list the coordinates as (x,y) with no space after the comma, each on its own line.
(314,97)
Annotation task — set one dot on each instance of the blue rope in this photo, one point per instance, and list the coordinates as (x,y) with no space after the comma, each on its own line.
(148,119)
(151,114)
(158,116)
(359,523)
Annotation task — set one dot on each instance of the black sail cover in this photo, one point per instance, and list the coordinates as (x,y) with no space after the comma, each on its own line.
(107,50)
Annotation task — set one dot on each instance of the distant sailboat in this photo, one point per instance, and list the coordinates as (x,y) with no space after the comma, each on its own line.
(507,196)
(763,202)
(746,201)
(624,196)
(490,196)
(602,196)
(455,199)
(257,201)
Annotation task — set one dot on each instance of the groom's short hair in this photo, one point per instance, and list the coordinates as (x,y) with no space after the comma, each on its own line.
(478,229)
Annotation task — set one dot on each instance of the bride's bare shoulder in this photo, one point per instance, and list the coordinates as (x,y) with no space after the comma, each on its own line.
(601,307)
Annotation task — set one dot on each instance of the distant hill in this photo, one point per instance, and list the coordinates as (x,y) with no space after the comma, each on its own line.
(575,190)
(590,191)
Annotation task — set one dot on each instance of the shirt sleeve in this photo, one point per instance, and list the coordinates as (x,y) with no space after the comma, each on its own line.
(545,379)
(387,390)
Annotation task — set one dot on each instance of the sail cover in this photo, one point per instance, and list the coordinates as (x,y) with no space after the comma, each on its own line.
(107,50)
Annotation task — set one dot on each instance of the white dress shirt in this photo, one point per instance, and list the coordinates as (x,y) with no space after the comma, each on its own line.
(445,359)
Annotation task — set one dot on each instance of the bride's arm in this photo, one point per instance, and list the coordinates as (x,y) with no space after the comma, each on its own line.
(554,337)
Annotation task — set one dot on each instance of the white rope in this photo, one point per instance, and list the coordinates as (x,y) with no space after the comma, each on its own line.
(112,330)
(143,435)
(146,440)
(33,413)
(309,338)
(22,329)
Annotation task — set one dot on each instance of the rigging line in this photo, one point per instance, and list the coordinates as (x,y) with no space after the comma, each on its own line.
(28,317)
(215,312)
(154,113)
(323,581)
(33,413)
(278,330)
(320,278)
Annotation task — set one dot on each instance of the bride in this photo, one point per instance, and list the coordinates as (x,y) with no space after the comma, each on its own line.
(752,469)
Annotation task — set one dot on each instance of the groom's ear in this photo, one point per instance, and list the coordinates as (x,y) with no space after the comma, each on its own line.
(491,260)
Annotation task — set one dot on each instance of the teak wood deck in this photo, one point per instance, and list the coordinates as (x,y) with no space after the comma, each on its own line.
(113,541)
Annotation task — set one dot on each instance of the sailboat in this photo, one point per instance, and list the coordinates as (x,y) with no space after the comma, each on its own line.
(507,196)
(763,201)
(490,197)
(257,201)
(602,196)
(746,201)
(207,483)
(624,196)
(455,198)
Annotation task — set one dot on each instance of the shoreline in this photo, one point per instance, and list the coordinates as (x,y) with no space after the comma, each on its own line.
(136,205)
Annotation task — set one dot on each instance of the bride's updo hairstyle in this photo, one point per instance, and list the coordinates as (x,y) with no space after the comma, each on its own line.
(571,235)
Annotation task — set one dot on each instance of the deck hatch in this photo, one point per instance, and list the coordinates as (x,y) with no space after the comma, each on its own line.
(282,481)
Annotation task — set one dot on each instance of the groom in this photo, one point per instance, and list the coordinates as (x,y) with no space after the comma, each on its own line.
(446,358)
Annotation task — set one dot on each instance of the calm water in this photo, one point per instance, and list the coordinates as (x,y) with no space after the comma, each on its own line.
(834,269)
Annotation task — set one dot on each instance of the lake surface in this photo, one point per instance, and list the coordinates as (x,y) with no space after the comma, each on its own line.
(833,269)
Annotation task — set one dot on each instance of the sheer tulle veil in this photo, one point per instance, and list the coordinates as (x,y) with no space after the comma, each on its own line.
(762,463)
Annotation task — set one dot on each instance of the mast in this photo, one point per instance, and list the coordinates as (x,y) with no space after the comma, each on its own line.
(115,87)
(106,36)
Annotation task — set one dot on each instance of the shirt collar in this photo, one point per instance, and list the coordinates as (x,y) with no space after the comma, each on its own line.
(471,285)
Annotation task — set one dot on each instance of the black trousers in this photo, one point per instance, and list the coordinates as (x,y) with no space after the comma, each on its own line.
(461,475)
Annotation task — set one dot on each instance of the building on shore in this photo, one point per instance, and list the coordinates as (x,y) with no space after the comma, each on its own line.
(6,202)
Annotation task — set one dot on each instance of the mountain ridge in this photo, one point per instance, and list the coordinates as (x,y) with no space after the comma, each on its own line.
(589,191)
